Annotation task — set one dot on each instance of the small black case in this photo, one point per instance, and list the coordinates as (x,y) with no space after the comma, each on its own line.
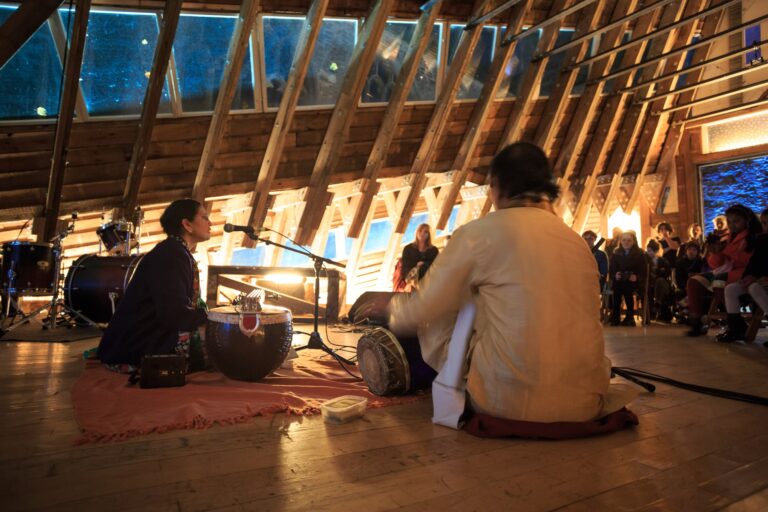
(163,371)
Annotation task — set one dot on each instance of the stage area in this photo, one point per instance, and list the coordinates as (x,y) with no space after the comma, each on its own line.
(689,453)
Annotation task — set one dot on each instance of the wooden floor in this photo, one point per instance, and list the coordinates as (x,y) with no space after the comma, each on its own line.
(690,452)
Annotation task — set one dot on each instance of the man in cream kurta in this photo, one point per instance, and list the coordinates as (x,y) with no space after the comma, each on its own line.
(537,353)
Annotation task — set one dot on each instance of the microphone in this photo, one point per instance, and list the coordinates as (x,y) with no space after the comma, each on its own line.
(231,228)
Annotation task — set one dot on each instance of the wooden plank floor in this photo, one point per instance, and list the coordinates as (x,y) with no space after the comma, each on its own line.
(690,453)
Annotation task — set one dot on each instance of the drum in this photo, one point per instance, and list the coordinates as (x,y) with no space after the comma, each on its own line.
(115,236)
(94,282)
(248,345)
(28,268)
(390,366)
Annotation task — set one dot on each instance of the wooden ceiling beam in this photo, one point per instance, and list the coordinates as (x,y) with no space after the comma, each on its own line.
(284,118)
(369,187)
(554,17)
(699,119)
(168,25)
(338,129)
(714,97)
(480,115)
(586,108)
(22,24)
(551,119)
(59,34)
(229,81)
(47,228)
(440,115)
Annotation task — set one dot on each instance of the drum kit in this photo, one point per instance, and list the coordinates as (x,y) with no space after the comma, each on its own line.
(93,285)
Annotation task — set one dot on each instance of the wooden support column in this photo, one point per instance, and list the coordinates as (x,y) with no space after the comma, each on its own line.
(154,92)
(633,121)
(22,24)
(59,34)
(586,108)
(480,113)
(558,98)
(284,117)
(343,113)
(229,80)
(439,119)
(46,229)
(369,187)
(395,203)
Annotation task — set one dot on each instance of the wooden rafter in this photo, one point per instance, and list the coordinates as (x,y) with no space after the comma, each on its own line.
(554,17)
(284,117)
(480,114)
(586,108)
(713,97)
(169,23)
(229,80)
(59,34)
(369,187)
(558,98)
(440,114)
(337,132)
(22,24)
(64,124)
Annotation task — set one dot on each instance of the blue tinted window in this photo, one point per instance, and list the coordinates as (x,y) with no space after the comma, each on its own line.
(249,257)
(752,38)
(393,47)
(581,78)
(617,64)
(451,226)
(555,64)
(515,69)
(737,182)
(200,49)
(378,236)
(117,61)
(683,79)
(328,65)
(410,231)
(293,259)
(30,79)
(478,67)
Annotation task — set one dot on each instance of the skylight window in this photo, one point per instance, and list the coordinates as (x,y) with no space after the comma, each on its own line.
(479,66)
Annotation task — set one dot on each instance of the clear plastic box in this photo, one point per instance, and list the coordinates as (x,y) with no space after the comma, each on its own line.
(344,408)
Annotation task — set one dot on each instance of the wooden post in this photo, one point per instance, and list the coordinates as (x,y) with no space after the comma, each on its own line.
(64,124)
(229,80)
(343,113)
(59,34)
(369,187)
(154,92)
(22,24)
(284,117)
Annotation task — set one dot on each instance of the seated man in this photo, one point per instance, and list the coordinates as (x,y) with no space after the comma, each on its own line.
(160,306)
(537,352)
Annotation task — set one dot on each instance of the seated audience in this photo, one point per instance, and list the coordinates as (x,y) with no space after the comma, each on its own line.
(659,282)
(726,260)
(161,306)
(627,274)
(689,263)
(720,224)
(600,257)
(754,282)
(418,255)
(669,244)
(695,235)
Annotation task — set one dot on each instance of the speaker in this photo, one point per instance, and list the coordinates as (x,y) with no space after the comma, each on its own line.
(371,308)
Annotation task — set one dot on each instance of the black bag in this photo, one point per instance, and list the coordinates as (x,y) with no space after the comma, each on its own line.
(163,371)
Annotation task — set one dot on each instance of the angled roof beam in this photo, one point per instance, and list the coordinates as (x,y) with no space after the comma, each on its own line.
(22,24)
(270,163)
(554,17)
(440,115)
(706,99)
(337,132)
(229,79)
(154,92)
(59,34)
(369,186)
(696,120)
(480,115)
(64,124)
(480,20)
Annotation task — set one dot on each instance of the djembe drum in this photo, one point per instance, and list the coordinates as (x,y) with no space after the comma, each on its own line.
(248,345)
(390,366)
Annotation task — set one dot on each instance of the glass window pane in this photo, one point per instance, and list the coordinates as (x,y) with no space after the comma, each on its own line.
(329,62)
(555,64)
(249,257)
(30,79)
(117,62)
(683,79)
(581,79)
(200,49)
(378,236)
(391,52)
(617,64)
(477,69)
(736,182)
(751,38)
(518,64)
(294,259)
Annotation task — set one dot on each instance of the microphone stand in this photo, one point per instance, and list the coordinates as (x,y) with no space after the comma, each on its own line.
(315,340)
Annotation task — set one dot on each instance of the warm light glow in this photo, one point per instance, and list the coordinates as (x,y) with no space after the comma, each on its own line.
(284,278)
(737,132)
(624,221)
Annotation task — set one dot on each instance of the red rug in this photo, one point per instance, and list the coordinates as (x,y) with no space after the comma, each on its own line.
(108,410)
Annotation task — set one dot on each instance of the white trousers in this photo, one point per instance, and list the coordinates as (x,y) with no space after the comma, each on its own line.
(735,290)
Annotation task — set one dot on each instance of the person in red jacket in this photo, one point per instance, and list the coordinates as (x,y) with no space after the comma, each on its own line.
(726,259)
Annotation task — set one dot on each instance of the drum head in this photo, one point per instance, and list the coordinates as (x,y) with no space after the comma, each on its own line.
(383,363)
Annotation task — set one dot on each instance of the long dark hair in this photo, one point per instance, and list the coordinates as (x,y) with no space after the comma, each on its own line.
(522,169)
(177,211)
(754,227)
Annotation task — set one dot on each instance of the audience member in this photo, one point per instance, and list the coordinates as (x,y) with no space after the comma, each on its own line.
(689,263)
(600,257)
(669,244)
(659,281)
(627,273)
(720,224)
(695,235)
(613,243)
(419,254)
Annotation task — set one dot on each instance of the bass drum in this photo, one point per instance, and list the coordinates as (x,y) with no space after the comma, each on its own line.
(94,282)
(28,268)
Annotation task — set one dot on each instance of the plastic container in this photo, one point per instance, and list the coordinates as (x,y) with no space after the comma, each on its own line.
(344,408)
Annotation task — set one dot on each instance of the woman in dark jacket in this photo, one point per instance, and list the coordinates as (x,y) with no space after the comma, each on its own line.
(419,254)
(627,272)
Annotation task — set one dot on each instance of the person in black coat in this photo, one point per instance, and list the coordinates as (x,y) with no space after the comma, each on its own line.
(627,272)
(160,305)
(688,263)
(419,254)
